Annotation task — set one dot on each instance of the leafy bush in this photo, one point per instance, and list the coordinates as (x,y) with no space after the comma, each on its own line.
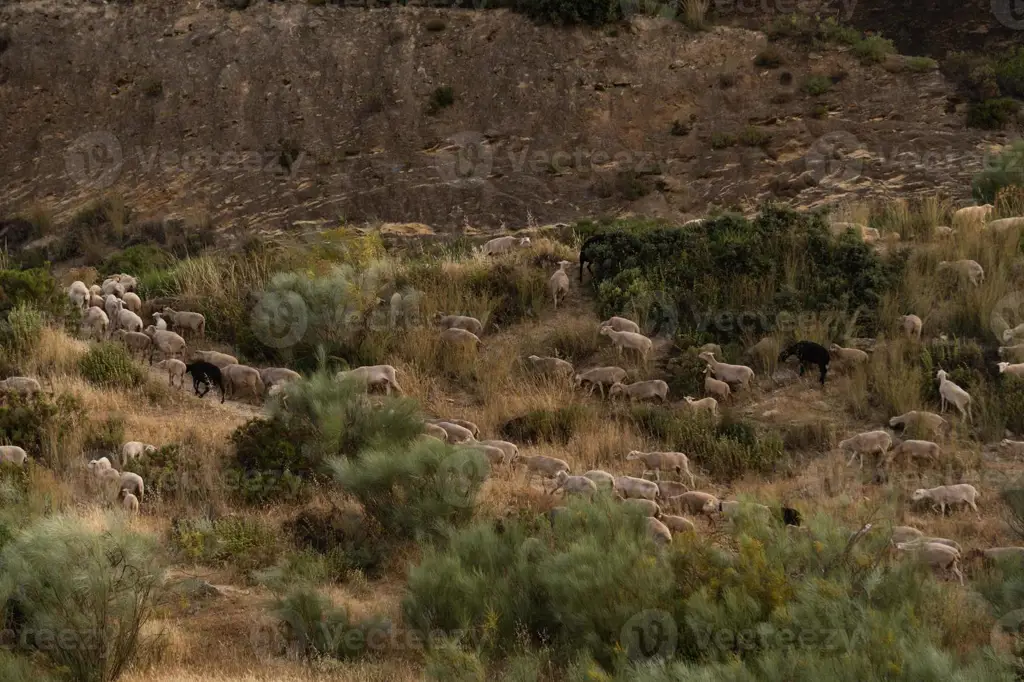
(138,260)
(992,114)
(35,422)
(347,538)
(110,365)
(815,85)
(246,543)
(769,58)
(317,628)
(20,333)
(873,49)
(441,98)
(569,12)
(169,473)
(722,140)
(920,64)
(754,137)
(1004,170)
(96,590)
(35,288)
(541,425)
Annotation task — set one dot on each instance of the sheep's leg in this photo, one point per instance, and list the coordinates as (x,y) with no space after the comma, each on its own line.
(973,506)
(824,370)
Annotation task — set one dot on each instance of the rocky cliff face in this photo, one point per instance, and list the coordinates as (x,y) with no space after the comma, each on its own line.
(286,113)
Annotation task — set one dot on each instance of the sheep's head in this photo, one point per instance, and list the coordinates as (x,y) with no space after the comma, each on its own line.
(919,495)
(940,375)
(578,380)
(1002,366)
(561,476)
(524,241)
(706,356)
(834,348)
(1007,336)
(615,389)
(149,448)
(711,506)
(605,330)
(688,398)
(633,454)
(533,358)
(563,264)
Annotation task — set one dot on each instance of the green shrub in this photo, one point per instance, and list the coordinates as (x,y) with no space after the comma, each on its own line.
(920,64)
(246,543)
(1011,402)
(449,663)
(317,628)
(37,422)
(110,365)
(811,31)
(681,128)
(441,98)
(20,333)
(348,540)
(139,260)
(105,435)
(35,288)
(569,12)
(97,590)
(1009,72)
(722,140)
(541,425)
(816,85)
(170,474)
(992,114)
(754,137)
(18,668)
(769,58)
(873,49)
(1004,170)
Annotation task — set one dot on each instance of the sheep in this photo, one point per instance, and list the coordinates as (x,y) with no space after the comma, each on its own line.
(658,531)
(951,393)
(95,323)
(647,507)
(1014,448)
(110,307)
(657,461)
(221,360)
(635,342)
(630,487)
(22,385)
(542,465)
(667,489)
(133,449)
(373,375)
(1003,224)
(1013,334)
(851,357)
(126,319)
(136,342)
(95,290)
(79,295)
(905,534)
(940,541)
(790,516)
(1015,353)
(972,214)
(96,466)
(677,524)
(461,337)
(500,245)
(133,483)
(1007,368)
(558,284)
(694,501)
(470,426)
(12,454)
(278,376)
(712,348)
(621,324)
(709,405)
(911,325)
(731,374)
(129,502)
(496,456)
(404,308)
(937,556)
(809,353)
(175,370)
(599,376)
(922,422)
(111,287)
(132,302)
(168,343)
(96,301)
(193,322)
(915,448)
(205,373)
(574,485)
(867,442)
(715,388)
(511,450)
(640,390)
(435,431)
(729,508)
(470,324)
(1004,553)
(970,269)
(108,476)
(454,433)
(601,478)
(948,495)
(241,377)
(552,367)
(942,231)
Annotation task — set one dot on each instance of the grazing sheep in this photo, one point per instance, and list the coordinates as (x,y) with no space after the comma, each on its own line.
(677,524)
(129,502)
(940,541)
(1003,224)
(599,376)
(96,466)
(454,433)
(126,319)
(709,405)
(621,324)
(374,375)
(241,378)
(715,388)
(791,516)
(111,287)
(470,324)
(558,284)
(552,367)
(967,268)
(942,231)
(136,342)
(132,302)
(1014,448)
(1007,368)
(95,323)
(95,290)
(460,337)
(207,374)
(435,431)
(712,348)
(640,390)
(731,374)
(635,342)
(922,422)
(134,449)
(159,322)
(694,501)
(922,449)
(808,353)
(12,454)
(1004,553)
(184,320)
(868,442)
(911,325)
(574,485)
(1014,333)
(278,376)
(168,343)
(496,456)
(601,478)
(111,305)
(79,295)
(470,426)
(500,245)
(541,465)
(630,487)
(656,461)
(220,360)
(667,489)
(905,534)
(1015,353)
(936,555)
(729,508)
(22,385)
(850,357)
(951,393)
(972,214)
(659,532)
(96,301)
(948,495)
(647,507)
(591,247)
(175,370)
(133,483)
(511,450)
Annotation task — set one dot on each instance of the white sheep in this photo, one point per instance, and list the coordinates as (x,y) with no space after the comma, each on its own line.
(193,322)
(1013,333)
(647,507)
(133,449)
(621,324)
(970,269)
(175,370)
(468,425)
(454,433)
(126,319)
(715,388)
(638,343)
(947,495)
(112,287)
(640,390)
(709,405)
(496,456)
(657,461)
(601,478)
(921,449)
(936,555)
(278,376)
(542,465)
(96,466)
(241,379)
(911,325)
(712,348)
(924,539)
(694,501)
(373,375)
(1015,353)
(12,454)
(630,487)
(1014,448)
(95,323)
(129,502)
(95,290)
(730,508)
(658,531)
(667,489)
(22,385)
(868,442)
(972,214)
(79,295)
(951,393)
(574,485)
(552,367)
(168,343)
(221,360)
(1004,224)
(136,342)
(470,324)
(132,302)
(435,431)
(159,322)
(461,337)
(511,450)
(133,483)
(111,304)
(921,421)
(1015,369)
(599,376)
(677,524)
(905,534)
(848,356)
(500,245)
(731,374)
(942,231)
(558,284)
(96,301)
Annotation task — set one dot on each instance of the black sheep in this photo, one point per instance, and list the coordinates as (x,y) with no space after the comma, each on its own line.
(586,251)
(809,353)
(790,516)
(205,373)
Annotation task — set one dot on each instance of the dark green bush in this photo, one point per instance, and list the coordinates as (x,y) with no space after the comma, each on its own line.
(815,85)
(272,460)
(35,288)
(34,422)
(569,12)
(1004,170)
(811,31)
(992,114)
(170,474)
(1011,402)
(754,137)
(138,260)
(348,538)
(539,426)
(246,543)
(19,333)
(722,140)
(318,628)
(111,365)
(441,98)
(107,435)
(873,49)
(769,58)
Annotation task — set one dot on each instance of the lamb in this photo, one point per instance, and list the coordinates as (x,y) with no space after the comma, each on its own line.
(1014,448)
(542,465)
(159,322)
(599,376)
(942,231)
(501,245)
(168,343)
(658,531)
(12,454)
(551,366)
(915,448)
(220,360)
(470,324)
(1015,353)
(972,214)
(970,269)
(461,337)
(868,442)
(948,495)
(640,390)
(558,284)
(731,374)
(850,357)
(132,302)
(454,433)
(715,388)
(808,353)
(905,534)
(133,483)
(175,370)
(278,376)
(601,478)
(95,323)
(22,385)
(473,428)
(96,466)
(667,489)
(79,295)
(207,374)
(937,556)
(921,422)
(193,322)
(951,393)
(129,502)
(136,342)
(237,378)
(630,487)
(574,485)
(709,405)
(647,507)
(657,461)
(911,325)
(677,524)
(374,375)
(133,449)
(1004,224)
(621,324)
(1007,368)
(694,501)
(635,342)
(511,450)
